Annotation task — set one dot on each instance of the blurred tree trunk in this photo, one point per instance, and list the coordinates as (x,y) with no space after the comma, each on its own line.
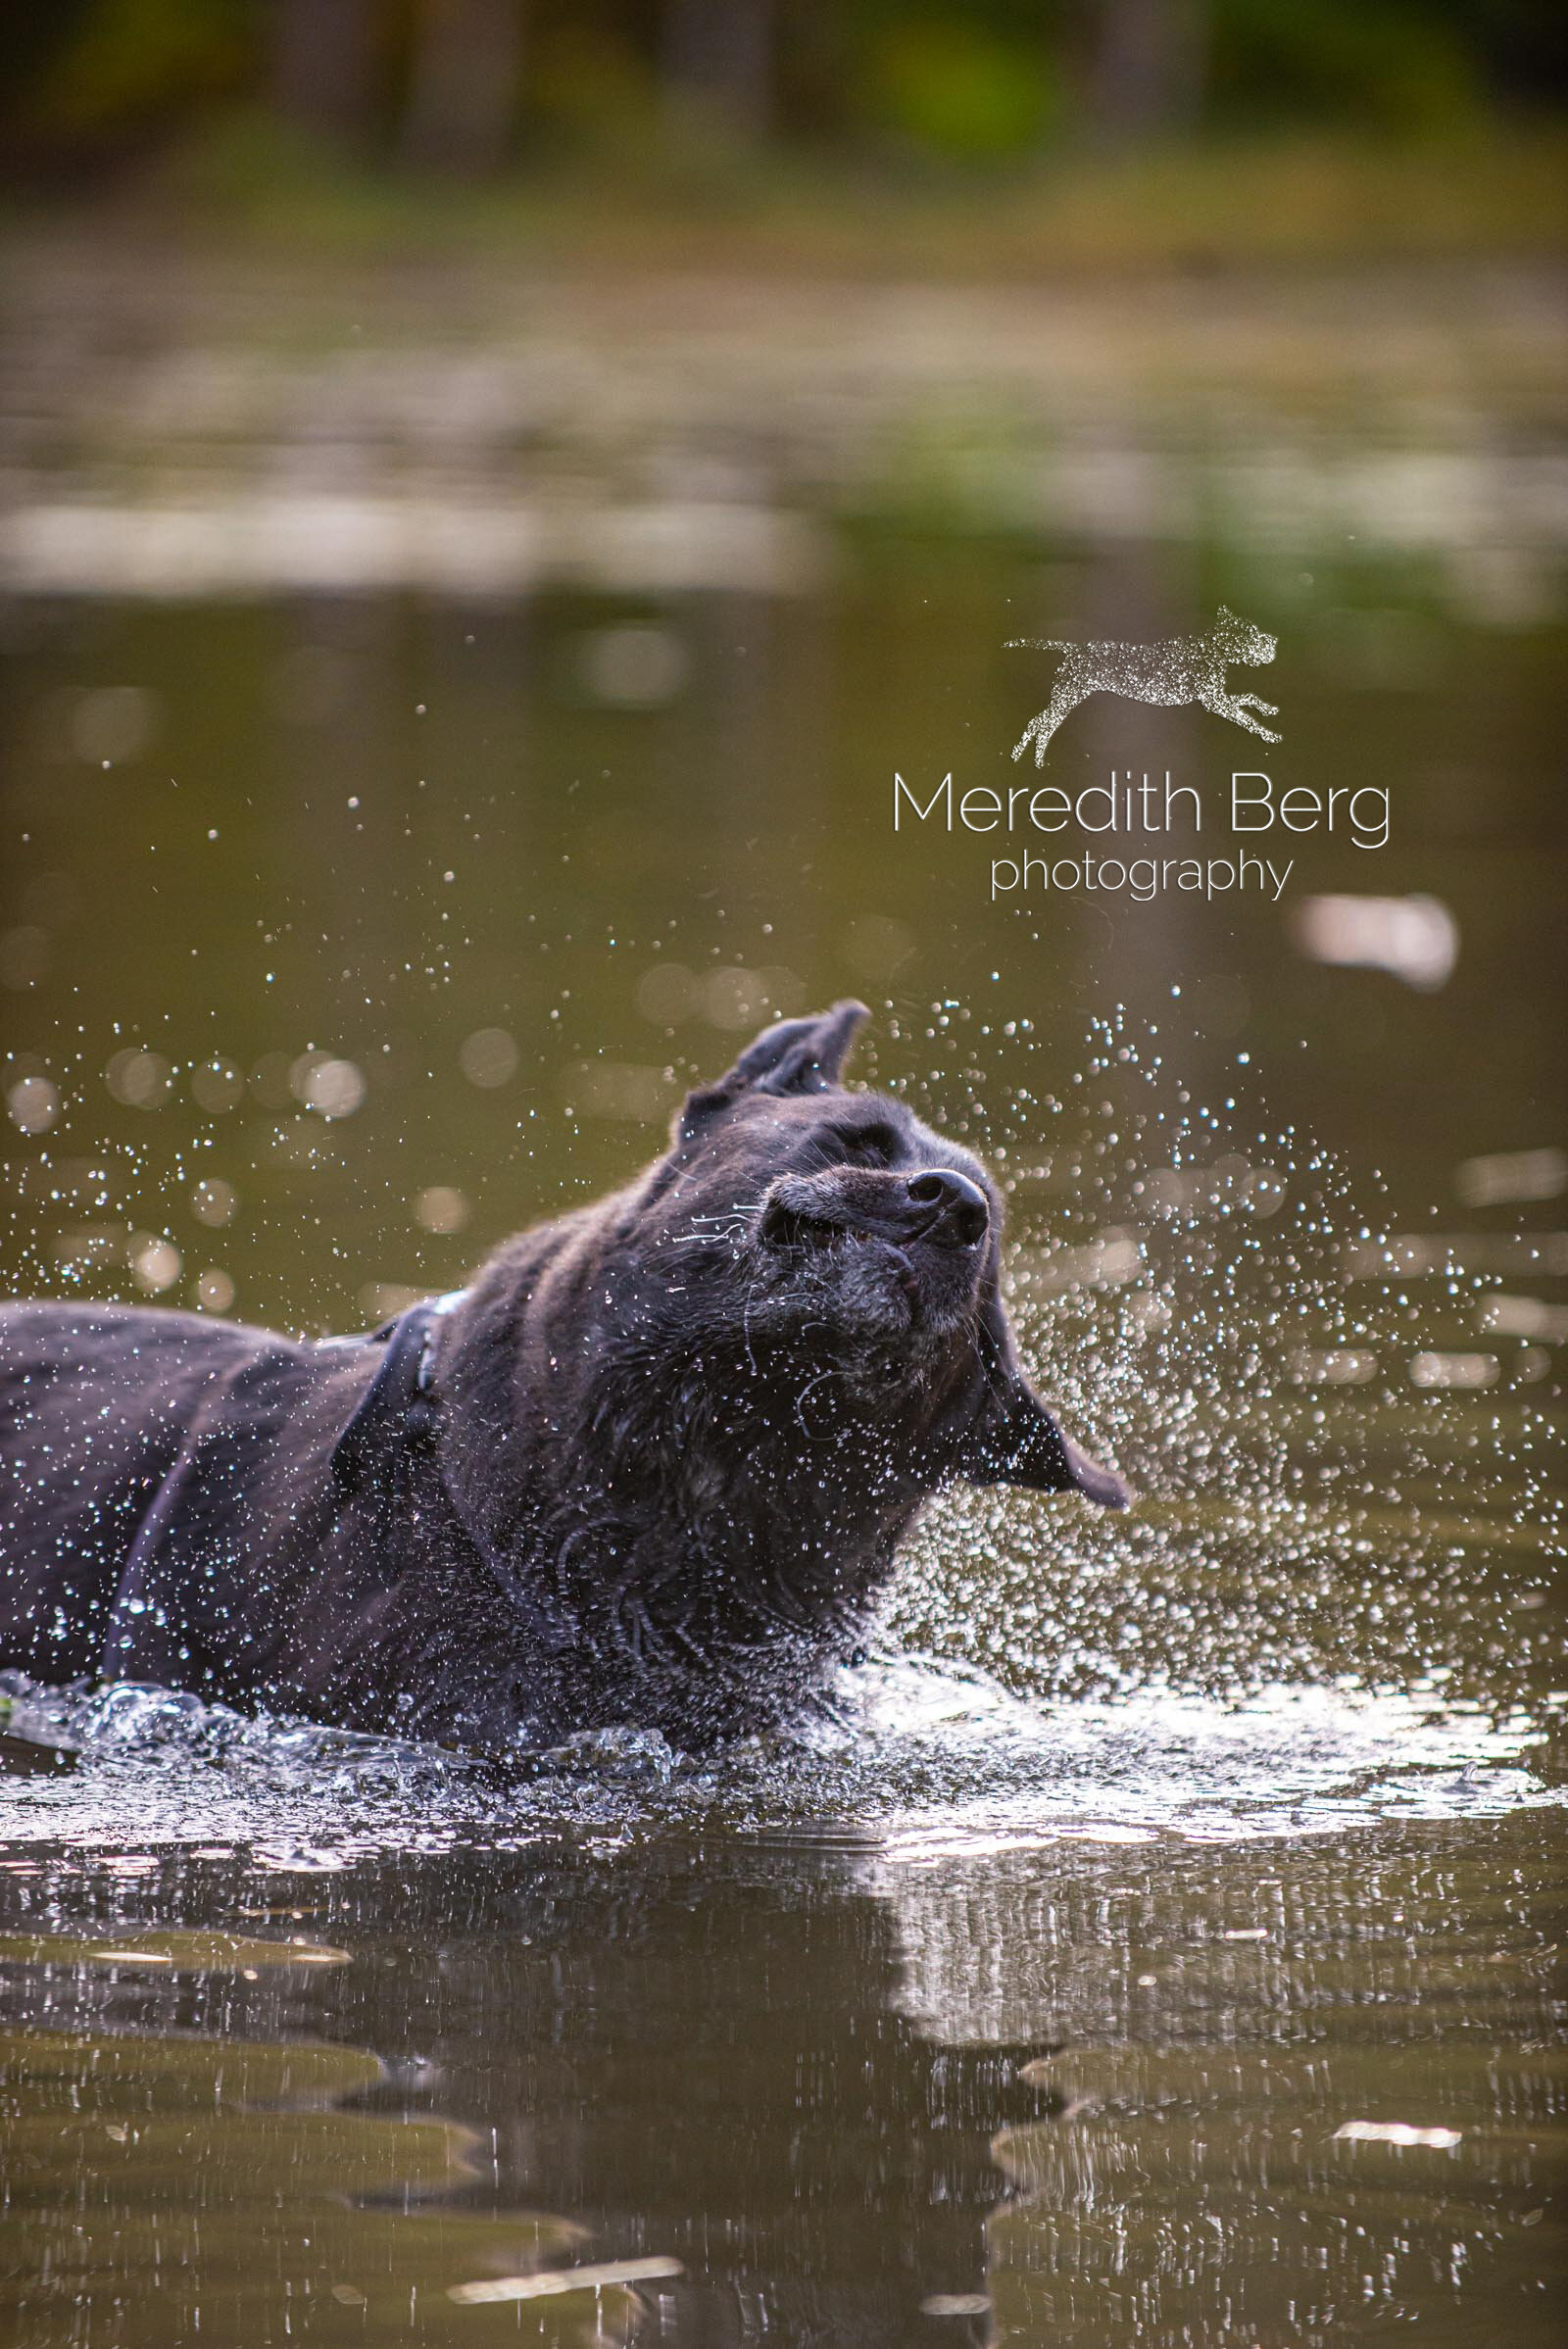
(462,94)
(1148,64)
(325,64)
(720,53)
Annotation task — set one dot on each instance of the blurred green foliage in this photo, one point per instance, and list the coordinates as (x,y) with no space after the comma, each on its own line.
(1400,68)
(119,67)
(967,82)
(956,87)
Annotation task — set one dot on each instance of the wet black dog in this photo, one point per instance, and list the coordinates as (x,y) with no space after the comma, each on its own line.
(651,1468)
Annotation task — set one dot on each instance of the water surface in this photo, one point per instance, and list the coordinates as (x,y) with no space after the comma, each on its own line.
(1153,1941)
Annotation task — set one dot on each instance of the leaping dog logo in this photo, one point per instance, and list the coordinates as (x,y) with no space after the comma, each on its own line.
(1184,669)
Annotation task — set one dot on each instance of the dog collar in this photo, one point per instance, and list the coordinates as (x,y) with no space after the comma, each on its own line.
(399,1406)
(399,1414)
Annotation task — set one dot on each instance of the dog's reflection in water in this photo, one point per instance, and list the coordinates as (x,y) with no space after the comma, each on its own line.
(696,2053)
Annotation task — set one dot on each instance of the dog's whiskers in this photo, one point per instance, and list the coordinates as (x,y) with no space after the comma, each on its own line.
(731,1223)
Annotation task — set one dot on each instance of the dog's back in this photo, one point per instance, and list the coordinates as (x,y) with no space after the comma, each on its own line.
(94,1400)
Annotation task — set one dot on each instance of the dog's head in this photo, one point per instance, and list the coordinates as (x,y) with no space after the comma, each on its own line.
(1239,641)
(799,1236)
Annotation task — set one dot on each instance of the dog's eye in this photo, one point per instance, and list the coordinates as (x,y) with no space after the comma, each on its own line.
(863,1146)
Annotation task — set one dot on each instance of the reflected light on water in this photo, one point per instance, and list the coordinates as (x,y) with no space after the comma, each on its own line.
(1415,938)
(1454,1370)
(1509,1177)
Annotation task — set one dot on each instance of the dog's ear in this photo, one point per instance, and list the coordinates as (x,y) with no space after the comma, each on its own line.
(794,1056)
(1013,1438)
(1016,1442)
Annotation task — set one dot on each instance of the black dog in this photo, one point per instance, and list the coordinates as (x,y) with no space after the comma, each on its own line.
(651,1468)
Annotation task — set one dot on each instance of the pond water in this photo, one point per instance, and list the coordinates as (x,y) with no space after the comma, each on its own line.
(1155,1941)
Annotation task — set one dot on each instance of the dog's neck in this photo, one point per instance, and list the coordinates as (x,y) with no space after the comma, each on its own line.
(720,1528)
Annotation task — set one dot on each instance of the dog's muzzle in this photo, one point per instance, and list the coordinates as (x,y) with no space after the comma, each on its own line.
(938,1205)
(957,1209)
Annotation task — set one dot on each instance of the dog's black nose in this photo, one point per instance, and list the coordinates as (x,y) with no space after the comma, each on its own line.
(959,1209)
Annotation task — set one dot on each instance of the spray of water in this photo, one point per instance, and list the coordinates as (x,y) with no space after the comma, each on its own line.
(1326,1604)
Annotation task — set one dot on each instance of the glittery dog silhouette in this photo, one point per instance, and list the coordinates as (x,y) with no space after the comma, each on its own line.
(1186,668)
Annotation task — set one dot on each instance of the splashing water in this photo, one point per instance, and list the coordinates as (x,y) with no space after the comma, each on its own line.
(1328,1605)
(932,1758)
(1317,1504)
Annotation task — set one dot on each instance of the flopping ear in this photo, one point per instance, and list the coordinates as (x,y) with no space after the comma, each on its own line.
(1014,1439)
(1020,1443)
(794,1056)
